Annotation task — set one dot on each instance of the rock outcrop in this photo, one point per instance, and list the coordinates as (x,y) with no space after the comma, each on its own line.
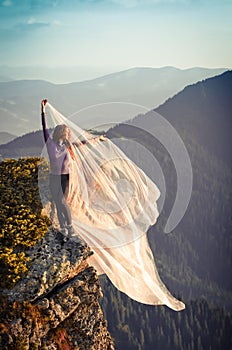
(55,305)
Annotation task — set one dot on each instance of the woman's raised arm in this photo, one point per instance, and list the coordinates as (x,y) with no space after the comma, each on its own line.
(43,116)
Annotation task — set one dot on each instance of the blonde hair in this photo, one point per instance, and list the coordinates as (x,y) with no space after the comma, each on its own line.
(59,131)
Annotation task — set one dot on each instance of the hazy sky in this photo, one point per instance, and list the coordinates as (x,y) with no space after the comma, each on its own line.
(116,33)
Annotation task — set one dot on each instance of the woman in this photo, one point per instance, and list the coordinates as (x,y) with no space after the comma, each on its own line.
(60,157)
(113,204)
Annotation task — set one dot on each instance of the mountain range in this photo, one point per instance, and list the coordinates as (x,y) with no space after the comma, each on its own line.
(196,257)
(108,99)
(194,260)
(6,137)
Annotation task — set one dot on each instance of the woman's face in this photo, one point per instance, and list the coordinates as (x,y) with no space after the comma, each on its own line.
(66,135)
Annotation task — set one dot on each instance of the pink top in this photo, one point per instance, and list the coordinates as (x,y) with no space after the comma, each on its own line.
(59,155)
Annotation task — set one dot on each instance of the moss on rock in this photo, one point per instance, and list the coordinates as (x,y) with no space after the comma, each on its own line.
(21,222)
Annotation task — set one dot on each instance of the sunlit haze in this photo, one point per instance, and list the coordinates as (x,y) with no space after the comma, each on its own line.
(99,37)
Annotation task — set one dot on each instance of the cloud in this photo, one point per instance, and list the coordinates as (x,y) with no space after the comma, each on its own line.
(6,3)
(30,24)
(56,22)
(135,3)
(33,24)
(126,3)
(33,20)
(144,3)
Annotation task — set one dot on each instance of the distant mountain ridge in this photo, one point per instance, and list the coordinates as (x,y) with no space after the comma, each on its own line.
(148,87)
(28,145)
(204,110)
(6,137)
(65,75)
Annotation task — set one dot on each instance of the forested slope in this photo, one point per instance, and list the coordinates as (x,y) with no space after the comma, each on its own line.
(136,326)
(194,260)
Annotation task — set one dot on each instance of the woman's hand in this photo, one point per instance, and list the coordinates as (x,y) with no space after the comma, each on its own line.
(102,138)
(99,138)
(43,105)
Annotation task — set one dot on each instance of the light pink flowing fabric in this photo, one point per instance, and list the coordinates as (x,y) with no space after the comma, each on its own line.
(113,203)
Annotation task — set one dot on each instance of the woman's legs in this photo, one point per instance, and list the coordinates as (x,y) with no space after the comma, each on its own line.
(66,209)
(58,186)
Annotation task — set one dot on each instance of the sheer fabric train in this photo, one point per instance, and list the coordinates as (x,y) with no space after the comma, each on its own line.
(113,203)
